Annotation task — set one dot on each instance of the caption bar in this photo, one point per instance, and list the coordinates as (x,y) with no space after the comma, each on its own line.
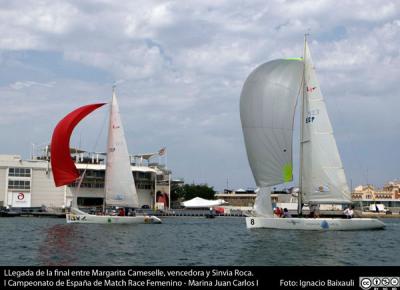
(127,277)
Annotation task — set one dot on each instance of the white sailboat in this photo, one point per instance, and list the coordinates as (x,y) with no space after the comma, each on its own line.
(267,108)
(120,187)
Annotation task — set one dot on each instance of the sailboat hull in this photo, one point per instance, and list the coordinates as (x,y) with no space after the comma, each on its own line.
(107,219)
(315,224)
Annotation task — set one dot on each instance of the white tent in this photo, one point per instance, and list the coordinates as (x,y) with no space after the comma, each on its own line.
(199,202)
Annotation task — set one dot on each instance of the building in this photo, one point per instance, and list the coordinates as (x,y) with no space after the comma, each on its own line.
(246,198)
(29,183)
(238,198)
(362,196)
(389,195)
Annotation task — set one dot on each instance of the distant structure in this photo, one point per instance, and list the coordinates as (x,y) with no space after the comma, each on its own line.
(363,196)
(238,198)
(246,197)
(29,183)
(389,195)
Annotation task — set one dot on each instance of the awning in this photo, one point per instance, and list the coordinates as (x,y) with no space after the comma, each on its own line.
(199,202)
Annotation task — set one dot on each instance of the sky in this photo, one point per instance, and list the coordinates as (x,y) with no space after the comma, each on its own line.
(180,67)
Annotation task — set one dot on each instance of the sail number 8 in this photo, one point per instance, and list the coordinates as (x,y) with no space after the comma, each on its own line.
(252,222)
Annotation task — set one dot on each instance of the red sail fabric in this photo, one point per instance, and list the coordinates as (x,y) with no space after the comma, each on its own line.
(62,165)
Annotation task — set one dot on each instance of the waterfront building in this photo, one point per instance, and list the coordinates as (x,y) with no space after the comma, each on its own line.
(362,196)
(389,195)
(240,198)
(246,198)
(29,183)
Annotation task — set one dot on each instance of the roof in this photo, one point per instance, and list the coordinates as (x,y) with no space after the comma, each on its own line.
(145,156)
(103,167)
(199,202)
(72,150)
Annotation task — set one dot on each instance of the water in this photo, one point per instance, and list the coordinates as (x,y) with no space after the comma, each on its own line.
(190,241)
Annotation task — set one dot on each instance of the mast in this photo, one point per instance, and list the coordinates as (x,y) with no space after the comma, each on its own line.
(105,191)
(302,106)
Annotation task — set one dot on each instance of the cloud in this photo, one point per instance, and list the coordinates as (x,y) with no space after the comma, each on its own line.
(183,65)
(26,84)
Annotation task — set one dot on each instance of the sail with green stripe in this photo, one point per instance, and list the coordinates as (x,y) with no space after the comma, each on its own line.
(267,106)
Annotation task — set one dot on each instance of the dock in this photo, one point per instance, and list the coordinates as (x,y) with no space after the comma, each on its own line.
(201,213)
(379,215)
(195,213)
(31,213)
(43,214)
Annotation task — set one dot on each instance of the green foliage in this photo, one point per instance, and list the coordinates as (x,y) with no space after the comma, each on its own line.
(177,192)
(189,191)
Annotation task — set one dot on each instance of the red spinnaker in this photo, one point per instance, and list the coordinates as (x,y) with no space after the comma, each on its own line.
(62,165)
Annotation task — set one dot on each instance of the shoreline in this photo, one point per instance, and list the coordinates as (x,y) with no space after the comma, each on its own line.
(203,215)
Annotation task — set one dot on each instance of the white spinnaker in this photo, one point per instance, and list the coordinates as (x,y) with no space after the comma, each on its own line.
(263,203)
(323,177)
(119,182)
(267,105)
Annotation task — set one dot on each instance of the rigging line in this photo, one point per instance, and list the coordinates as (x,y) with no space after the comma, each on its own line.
(300,121)
(300,195)
(94,150)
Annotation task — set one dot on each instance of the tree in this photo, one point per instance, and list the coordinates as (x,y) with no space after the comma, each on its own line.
(177,192)
(189,191)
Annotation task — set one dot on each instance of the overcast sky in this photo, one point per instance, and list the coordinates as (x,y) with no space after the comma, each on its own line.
(180,67)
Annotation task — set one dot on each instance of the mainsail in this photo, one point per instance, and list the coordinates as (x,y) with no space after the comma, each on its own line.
(119,182)
(267,105)
(62,165)
(323,177)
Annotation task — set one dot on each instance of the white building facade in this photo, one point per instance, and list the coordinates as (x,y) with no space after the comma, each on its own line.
(29,184)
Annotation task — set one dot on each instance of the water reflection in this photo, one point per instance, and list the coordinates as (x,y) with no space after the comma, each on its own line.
(59,246)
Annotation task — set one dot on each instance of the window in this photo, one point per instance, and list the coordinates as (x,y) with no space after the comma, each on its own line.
(94,173)
(144,185)
(90,201)
(141,175)
(21,172)
(89,183)
(92,179)
(22,185)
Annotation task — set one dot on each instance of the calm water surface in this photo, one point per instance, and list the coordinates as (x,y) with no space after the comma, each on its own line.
(190,241)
